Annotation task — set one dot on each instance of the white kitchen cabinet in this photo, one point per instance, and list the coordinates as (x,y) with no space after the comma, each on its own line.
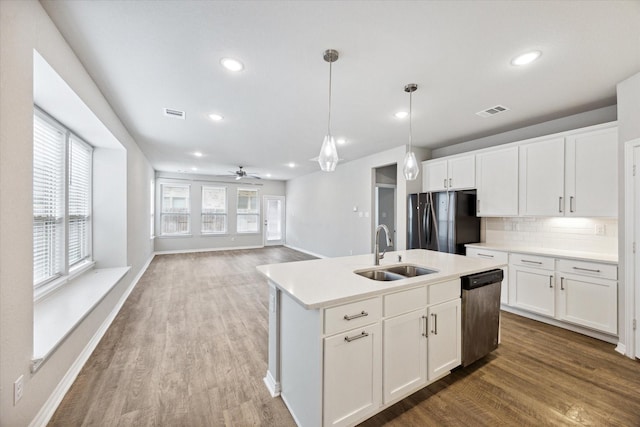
(457,173)
(531,283)
(405,354)
(352,375)
(588,295)
(497,182)
(542,167)
(444,336)
(496,256)
(592,174)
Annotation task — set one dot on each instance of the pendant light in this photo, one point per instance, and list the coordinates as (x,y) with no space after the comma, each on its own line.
(410,167)
(328,158)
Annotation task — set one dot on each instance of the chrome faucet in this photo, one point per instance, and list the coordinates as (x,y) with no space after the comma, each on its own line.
(377,255)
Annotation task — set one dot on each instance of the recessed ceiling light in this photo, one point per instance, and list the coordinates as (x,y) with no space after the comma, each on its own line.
(291,165)
(232,64)
(341,141)
(215,117)
(401,115)
(197,154)
(194,168)
(526,58)
(268,175)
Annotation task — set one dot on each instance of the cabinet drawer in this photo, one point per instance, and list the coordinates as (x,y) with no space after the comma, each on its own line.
(405,301)
(488,254)
(445,291)
(593,269)
(532,261)
(352,315)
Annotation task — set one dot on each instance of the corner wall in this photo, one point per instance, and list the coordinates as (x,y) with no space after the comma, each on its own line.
(25,26)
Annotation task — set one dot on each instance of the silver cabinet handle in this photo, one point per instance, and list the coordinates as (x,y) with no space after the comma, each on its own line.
(531,262)
(426,328)
(355,316)
(562,283)
(363,334)
(449,182)
(485,255)
(435,324)
(445,183)
(550,281)
(571,204)
(590,270)
(560,204)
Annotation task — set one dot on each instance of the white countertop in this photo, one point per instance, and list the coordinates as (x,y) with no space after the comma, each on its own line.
(325,282)
(582,256)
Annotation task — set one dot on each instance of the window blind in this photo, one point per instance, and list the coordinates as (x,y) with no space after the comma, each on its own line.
(79,197)
(175,216)
(248,211)
(214,210)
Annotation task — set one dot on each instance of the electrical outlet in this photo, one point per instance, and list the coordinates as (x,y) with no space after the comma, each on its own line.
(18,389)
(600,229)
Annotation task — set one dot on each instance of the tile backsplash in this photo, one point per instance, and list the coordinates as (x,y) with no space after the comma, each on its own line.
(579,234)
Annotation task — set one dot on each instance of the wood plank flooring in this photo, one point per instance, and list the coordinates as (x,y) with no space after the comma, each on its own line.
(189,348)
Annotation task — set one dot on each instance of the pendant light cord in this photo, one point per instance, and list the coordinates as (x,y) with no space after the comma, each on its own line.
(329,121)
(410,116)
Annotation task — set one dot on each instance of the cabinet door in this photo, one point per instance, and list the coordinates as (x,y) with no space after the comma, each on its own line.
(532,289)
(352,375)
(542,178)
(434,175)
(592,174)
(462,173)
(405,354)
(497,181)
(445,338)
(589,302)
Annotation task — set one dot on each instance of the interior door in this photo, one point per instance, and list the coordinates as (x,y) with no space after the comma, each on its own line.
(274,220)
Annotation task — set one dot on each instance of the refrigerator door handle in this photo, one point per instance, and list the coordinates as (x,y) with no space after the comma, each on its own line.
(426,225)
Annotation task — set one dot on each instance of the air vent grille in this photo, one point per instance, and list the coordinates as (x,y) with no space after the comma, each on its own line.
(176,114)
(492,111)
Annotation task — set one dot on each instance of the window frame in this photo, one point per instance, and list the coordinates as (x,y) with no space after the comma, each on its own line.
(204,232)
(256,213)
(152,210)
(66,270)
(188,232)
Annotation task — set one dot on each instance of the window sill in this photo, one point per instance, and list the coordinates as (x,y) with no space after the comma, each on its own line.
(173,236)
(59,313)
(52,286)
(214,234)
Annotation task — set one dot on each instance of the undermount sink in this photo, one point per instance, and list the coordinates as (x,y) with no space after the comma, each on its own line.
(397,272)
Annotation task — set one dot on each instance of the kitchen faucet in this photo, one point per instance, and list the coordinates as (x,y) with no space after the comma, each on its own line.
(377,255)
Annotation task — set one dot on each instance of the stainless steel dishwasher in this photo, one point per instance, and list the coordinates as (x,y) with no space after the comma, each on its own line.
(480,314)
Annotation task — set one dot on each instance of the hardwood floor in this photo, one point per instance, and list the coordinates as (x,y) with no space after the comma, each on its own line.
(189,348)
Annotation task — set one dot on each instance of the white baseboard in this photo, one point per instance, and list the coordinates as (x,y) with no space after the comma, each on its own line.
(304,251)
(272,385)
(188,251)
(622,349)
(49,408)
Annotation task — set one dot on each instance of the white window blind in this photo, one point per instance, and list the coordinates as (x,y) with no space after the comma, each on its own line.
(248,211)
(62,171)
(214,210)
(48,200)
(175,217)
(152,209)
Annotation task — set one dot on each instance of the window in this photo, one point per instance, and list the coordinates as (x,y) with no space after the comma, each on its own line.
(248,211)
(152,209)
(62,170)
(175,218)
(214,210)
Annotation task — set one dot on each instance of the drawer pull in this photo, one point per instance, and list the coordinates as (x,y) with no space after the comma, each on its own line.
(551,281)
(435,324)
(355,316)
(426,328)
(531,262)
(571,204)
(356,337)
(560,204)
(485,255)
(590,270)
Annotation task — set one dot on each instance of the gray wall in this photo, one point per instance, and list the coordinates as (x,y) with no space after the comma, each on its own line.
(231,239)
(25,26)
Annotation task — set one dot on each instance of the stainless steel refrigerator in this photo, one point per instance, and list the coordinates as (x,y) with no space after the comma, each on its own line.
(443,221)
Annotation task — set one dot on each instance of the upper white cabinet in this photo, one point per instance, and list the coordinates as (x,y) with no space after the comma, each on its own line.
(591,183)
(457,173)
(497,182)
(570,176)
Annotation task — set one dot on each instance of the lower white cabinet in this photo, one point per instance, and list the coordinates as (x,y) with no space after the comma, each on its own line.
(352,375)
(445,339)
(496,256)
(532,289)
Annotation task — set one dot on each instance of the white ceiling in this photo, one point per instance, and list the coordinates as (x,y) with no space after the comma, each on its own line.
(148,55)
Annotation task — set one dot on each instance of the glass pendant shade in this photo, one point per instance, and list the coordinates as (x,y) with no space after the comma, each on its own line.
(410,167)
(328,158)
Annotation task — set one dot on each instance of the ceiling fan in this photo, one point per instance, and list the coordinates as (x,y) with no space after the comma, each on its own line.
(241,173)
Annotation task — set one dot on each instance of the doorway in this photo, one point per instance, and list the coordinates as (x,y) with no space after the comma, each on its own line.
(274,220)
(385,201)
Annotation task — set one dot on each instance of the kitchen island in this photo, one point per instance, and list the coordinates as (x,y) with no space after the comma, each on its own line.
(343,347)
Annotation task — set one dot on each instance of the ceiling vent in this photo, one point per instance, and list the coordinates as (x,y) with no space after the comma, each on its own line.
(176,114)
(492,111)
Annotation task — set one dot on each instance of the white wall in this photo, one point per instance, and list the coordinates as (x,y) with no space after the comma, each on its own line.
(25,27)
(320,206)
(231,239)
